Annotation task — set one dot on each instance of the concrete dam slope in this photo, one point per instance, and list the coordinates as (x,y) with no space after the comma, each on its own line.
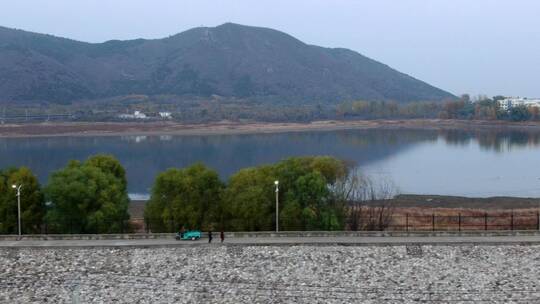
(463,273)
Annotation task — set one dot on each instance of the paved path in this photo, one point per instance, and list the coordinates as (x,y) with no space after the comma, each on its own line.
(283,241)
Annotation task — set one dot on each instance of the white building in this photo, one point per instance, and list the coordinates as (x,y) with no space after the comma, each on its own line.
(165,115)
(135,115)
(139,114)
(509,102)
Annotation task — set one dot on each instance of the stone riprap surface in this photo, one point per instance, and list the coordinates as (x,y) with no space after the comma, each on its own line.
(272,274)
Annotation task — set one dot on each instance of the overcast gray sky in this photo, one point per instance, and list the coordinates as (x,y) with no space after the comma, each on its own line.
(463,46)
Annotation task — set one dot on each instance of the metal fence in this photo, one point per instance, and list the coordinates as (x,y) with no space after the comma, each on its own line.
(457,222)
(394,222)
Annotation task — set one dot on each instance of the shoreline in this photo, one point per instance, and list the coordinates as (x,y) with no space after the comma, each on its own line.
(226,128)
(428,203)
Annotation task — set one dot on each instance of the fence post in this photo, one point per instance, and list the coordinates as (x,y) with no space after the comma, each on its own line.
(512,220)
(459,221)
(433,221)
(485,221)
(407,222)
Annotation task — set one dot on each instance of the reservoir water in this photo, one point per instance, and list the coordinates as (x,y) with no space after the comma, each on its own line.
(466,163)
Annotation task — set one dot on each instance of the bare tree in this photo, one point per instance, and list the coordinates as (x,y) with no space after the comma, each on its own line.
(368,200)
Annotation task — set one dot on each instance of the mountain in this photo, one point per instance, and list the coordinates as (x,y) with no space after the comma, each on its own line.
(229,60)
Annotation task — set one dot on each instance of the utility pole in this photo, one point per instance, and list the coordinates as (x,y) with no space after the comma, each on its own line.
(277,205)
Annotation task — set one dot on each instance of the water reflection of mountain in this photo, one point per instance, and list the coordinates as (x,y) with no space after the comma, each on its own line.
(145,157)
(226,153)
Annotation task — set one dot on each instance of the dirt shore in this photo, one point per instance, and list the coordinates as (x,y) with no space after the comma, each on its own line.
(428,204)
(172,128)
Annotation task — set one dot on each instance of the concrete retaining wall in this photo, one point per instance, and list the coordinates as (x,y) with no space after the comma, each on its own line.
(274,234)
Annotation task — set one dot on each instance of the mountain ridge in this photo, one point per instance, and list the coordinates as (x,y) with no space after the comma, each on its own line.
(230,60)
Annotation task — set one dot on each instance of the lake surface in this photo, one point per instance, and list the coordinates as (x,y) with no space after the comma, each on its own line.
(466,163)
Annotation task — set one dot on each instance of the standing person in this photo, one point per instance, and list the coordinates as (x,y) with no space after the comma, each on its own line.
(209,236)
(222,236)
(182,230)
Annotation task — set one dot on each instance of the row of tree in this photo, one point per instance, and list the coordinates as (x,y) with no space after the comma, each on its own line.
(87,197)
(483,108)
(194,197)
(315,193)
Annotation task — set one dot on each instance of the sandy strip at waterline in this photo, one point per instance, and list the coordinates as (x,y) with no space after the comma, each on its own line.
(173,128)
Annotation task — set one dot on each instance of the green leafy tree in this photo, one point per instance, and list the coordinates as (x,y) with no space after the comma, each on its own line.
(32,201)
(309,203)
(306,197)
(187,197)
(89,197)
(109,164)
(306,200)
(249,202)
(312,205)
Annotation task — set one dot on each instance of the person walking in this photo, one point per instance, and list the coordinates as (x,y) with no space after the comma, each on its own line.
(222,236)
(209,236)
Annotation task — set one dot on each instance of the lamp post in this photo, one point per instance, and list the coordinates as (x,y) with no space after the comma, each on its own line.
(277,205)
(18,204)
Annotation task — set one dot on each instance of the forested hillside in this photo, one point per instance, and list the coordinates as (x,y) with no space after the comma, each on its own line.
(231,61)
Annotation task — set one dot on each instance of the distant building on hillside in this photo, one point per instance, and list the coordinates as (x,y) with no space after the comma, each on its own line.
(135,115)
(509,102)
(165,115)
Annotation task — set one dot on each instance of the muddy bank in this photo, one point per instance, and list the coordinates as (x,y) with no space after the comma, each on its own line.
(162,128)
(460,202)
(414,203)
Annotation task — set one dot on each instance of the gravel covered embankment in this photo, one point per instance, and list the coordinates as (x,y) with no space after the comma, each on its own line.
(280,274)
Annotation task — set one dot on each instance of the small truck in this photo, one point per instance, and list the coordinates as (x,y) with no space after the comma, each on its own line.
(188,235)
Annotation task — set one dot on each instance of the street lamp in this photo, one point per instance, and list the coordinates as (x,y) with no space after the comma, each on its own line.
(277,205)
(18,204)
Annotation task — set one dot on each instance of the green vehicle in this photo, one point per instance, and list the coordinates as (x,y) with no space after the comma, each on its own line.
(188,235)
